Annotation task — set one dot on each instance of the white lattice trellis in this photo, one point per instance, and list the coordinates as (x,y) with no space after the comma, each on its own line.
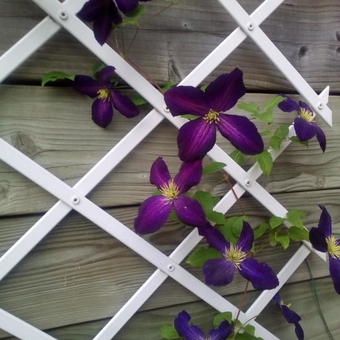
(63,15)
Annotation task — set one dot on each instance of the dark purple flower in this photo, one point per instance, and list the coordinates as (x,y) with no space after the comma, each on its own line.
(191,332)
(106,96)
(104,14)
(219,272)
(198,136)
(290,316)
(304,124)
(323,240)
(154,211)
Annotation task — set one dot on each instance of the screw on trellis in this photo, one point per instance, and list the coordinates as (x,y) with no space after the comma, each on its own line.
(63,15)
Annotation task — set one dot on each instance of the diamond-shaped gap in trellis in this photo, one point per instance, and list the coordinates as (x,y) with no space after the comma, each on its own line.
(67,270)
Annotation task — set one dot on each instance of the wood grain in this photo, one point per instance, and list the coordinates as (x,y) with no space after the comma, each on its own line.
(53,127)
(80,267)
(148,323)
(171,42)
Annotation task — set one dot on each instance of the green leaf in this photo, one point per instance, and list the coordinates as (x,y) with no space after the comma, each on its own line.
(260,230)
(284,240)
(213,167)
(216,217)
(246,336)
(279,136)
(275,221)
(137,99)
(190,117)
(156,193)
(298,234)
(206,200)
(232,227)
(273,103)
(296,139)
(198,257)
(272,238)
(249,107)
(204,87)
(250,329)
(266,117)
(295,217)
(132,18)
(98,67)
(169,332)
(266,133)
(173,216)
(265,161)
(238,157)
(168,85)
(54,76)
(219,318)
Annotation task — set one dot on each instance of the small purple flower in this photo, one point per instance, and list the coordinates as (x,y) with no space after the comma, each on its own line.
(191,332)
(198,136)
(304,124)
(154,211)
(106,96)
(219,272)
(290,316)
(104,14)
(323,240)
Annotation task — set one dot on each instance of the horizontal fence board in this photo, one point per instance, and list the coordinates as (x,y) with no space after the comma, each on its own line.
(171,42)
(53,127)
(79,273)
(300,295)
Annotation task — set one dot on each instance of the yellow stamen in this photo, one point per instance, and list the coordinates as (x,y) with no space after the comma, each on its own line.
(103,94)
(332,247)
(235,255)
(307,115)
(212,117)
(170,190)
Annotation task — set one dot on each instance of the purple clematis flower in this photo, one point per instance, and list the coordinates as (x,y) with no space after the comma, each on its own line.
(219,272)
(104,14)
(106,96)
(154,211)
(198,136)
(323,240)
(290,316)
(304,124)
(191,332)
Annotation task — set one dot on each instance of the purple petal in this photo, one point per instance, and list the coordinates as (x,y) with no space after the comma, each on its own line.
(289,104)
(290,315)
(90,10)
(277,298)
(127,6)
(124,104)
(303,129)
(152,214)
(189,175)
(334,269)
(182,100)
(325,222)
(305,106)
(106,73)
(159,173)
(102,24)
(320,135)
(223,331)
(195,139)
(299,332)
(242,133)
(246,239)
(189,211)
(102,112)
(185,330)
(87,85)
(224,92)
(214,238)
(318,240)
(259,274)
(218,272)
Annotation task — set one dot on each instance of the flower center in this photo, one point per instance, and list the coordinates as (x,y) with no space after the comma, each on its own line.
(212,117)
(235,255)
(170,190)
(307,115)
(103,94)
(332,247)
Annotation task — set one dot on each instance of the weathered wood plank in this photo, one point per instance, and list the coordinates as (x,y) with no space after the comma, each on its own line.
(148,323)
(53,127)
(77,267)
(171,42)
